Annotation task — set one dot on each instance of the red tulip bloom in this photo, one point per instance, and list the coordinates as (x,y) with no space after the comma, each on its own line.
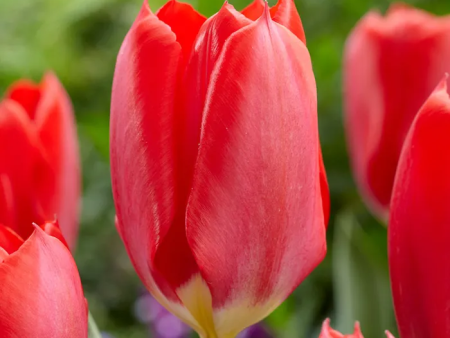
(40,294)
(392,64)
(328,332)
(215,162)
(39,170)
(419,226)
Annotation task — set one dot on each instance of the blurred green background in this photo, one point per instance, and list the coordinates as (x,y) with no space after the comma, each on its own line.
(79,40)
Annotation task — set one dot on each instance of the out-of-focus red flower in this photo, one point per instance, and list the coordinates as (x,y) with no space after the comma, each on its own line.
(419,226)
(41,294)
(328,332)
(219,188)
(392,64)
(39,167)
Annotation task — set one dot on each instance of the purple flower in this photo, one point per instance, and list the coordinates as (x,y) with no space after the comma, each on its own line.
(163,324)
(255,331)
(106,335)
(160,321)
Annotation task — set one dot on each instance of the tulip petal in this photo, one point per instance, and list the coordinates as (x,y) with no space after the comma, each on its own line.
(27,94)
(214,32)
(256,190)
(18,136)
(324,189)
(41,293)
(391,66)
(52,229)
(419,230)
(328,332)
(7,201)
(56,174)
(142,136)
(143,154)
(59,180)
(286,14)
(9,240)
(184,21)
(3,254)
(174,259)
(254,10)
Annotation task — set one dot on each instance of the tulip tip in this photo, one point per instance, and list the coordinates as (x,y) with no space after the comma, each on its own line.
(145,9)
(37,228)
(398,7)
(265,17)
(49,74)
(388,334)
(443,83)
(266,14)
(38,231)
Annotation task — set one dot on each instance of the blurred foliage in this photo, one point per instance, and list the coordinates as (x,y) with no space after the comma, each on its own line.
(79,40)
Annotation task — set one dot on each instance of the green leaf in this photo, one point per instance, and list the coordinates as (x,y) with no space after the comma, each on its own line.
(93,331)
(361,278)
(95,126)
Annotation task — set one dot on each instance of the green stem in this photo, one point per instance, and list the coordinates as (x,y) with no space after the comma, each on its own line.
(93,331)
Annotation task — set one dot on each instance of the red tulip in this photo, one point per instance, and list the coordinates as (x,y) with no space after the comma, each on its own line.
(419,226)
(40,294)
(328,332)
(215,162)
(39,171)
(392,65)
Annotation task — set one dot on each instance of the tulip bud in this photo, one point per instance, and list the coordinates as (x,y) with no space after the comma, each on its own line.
(419,225)
(392,64)
(37,122)
(218,182)
(328,332)
(41,293)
